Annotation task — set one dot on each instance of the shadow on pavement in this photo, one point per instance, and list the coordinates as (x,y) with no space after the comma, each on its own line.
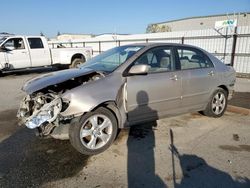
(141,144)
(241,99)
(27,161)
(141,162)
(197,173)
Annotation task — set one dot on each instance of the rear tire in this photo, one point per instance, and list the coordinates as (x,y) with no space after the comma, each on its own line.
(94,132)
(76,63)
(217,104)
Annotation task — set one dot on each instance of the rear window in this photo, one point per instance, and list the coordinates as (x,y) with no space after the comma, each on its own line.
(35,43)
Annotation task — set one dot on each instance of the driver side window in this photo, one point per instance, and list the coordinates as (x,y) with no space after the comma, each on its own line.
(14,44)
(159,59)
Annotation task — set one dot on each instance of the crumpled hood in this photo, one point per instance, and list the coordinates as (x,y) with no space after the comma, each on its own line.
(43,81)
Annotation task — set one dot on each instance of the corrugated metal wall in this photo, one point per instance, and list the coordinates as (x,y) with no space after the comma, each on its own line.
(220,44)
(205,22)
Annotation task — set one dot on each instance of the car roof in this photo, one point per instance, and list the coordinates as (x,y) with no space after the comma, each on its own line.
(21,36)
(155,44)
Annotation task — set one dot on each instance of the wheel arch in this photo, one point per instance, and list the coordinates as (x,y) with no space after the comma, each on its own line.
(112,106)
(78,56)
(224,87)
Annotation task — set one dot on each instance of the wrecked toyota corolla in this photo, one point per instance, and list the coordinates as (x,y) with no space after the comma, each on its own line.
(124,86)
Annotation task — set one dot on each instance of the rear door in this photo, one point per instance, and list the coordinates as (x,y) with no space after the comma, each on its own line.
(156,94)
(197,72)
(39,53)
(18,55)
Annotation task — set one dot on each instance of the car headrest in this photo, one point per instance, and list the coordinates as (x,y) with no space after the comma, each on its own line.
(165,62)
(184,58)
(196,58)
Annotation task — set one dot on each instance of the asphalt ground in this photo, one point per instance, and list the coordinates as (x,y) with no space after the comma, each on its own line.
(190,150)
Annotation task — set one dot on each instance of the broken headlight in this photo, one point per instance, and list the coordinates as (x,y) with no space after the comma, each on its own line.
(39,119)
(48,113)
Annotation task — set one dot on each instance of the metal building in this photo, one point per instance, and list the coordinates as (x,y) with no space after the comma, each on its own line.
(205,22)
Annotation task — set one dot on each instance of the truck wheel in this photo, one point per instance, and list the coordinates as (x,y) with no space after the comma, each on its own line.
(76,62)
(94,132)
(217,104)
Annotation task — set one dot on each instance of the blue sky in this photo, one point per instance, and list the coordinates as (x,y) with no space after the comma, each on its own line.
(30,17)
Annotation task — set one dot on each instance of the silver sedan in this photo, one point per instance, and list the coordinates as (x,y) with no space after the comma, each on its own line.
(125,86)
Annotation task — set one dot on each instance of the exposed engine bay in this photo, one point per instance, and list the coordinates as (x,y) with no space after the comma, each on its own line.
(42,108)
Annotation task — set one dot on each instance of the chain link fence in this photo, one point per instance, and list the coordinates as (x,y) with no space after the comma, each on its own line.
(231,46)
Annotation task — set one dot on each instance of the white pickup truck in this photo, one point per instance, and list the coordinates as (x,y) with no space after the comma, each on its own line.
(20,52)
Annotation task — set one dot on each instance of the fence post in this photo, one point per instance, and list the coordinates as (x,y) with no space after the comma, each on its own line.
(234,46)
(100,49)
(182,40)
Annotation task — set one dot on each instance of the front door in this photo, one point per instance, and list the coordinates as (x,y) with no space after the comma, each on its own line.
(18,54)
(156,94)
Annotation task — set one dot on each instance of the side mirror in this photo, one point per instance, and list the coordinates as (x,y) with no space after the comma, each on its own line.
(141,69)
(4,49)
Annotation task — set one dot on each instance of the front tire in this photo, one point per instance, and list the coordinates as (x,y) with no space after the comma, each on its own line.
(217,104)
(94,132)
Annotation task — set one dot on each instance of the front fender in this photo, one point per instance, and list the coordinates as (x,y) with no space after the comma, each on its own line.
(2,61)
(1,66)
(86,97)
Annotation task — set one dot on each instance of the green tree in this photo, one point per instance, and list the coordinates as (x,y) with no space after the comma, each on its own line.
(165,28)
(154,28)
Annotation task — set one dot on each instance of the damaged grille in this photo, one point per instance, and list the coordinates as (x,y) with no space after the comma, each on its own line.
(39,109)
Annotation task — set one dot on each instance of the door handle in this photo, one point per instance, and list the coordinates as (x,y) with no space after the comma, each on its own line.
(211,73)
(175,78)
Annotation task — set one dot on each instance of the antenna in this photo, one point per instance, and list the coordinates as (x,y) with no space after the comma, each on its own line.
(230,25)
(114,36)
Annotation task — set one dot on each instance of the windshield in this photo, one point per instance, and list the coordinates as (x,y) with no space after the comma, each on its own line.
(111,59)
(2,39)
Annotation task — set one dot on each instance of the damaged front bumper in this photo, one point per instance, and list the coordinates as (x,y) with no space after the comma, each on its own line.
(39,110)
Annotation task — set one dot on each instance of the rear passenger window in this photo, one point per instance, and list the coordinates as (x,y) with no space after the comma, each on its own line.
(193,59)
(35,43)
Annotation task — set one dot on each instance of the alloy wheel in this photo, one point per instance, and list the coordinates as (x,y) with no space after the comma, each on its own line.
(218,103)
(96,131)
